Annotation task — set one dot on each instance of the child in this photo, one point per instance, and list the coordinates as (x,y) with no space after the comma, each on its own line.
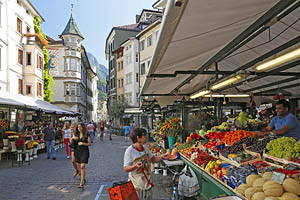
(137,160)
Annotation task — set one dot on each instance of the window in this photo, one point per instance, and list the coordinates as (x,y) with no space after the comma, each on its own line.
(20,86)
(122,82)
(137,97)
(119,83)
(19,25)
(28,58)
(149,41)
(18,2)
(136,57)
(149,62)
(67,63)
(73,89)
(27,29)
(143,69)
(20,56)
(39,62)
(142,45)
(73,65)
(137,77)
(78,90)
(27,11)
(130,97)
(39,89)
(28,89)
(67,89)
(121,65)
(129,78)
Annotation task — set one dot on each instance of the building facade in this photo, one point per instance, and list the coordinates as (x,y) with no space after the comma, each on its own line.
(120,72)
(114,40)
(72,73)
(21,54)
(131,70)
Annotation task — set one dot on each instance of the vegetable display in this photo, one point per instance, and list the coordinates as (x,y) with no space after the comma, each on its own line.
(284,147)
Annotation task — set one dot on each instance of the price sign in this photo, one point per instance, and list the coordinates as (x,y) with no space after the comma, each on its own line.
(218,140)
(278,177)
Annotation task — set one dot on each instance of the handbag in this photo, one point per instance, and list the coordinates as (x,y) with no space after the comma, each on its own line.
(123,191)
(188,186)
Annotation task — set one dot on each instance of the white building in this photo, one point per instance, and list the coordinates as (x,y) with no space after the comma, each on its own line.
(74,78)
(21,57)
(131,71)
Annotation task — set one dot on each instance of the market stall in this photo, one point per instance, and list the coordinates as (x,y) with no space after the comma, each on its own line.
(228,72)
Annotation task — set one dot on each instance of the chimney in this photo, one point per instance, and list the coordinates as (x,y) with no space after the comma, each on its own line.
(137,18)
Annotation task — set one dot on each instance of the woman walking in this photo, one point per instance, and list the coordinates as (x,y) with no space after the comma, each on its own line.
(101,130)
(66,133)
(74,143)
(137,161)
(82,153)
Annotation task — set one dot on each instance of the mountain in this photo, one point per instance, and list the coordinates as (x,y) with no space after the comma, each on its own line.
(102,73)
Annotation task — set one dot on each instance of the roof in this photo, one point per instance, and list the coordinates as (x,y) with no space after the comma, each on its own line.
(128,27)
(147,10)
(71,28)
(52,41)
(233,42)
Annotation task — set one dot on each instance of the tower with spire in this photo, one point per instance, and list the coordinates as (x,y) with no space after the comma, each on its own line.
(73,74)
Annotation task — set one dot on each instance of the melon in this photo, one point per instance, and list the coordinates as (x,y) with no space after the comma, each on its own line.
(258,196)
(292,186)
(251,178)
(290,196)
(272,188)
(268,175)
(249,192)
(241,189)
(258,183)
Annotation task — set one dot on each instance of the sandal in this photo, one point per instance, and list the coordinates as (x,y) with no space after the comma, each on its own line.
(80,185)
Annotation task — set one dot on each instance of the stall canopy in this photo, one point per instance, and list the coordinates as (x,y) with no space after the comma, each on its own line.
(27,102)
(204,42)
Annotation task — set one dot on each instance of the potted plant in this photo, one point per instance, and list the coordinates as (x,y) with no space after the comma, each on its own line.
(171,129)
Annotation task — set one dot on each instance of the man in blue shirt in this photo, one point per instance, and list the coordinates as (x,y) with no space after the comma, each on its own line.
(127,131)
(284,124)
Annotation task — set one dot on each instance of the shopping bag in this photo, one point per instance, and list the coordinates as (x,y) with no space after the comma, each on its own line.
(123,191)
(188,186)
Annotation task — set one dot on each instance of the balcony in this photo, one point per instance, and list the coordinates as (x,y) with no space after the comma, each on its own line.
(72,53)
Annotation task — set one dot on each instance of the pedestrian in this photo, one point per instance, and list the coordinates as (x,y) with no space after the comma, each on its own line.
(82,153)
(133,125)
(137,159)
(67,137)
(101,130)
(74,143)
(110,126)
(91,130)
(127,131)
(49,138)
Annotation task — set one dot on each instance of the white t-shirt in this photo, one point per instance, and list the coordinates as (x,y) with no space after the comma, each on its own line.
(67,134)
(131,157)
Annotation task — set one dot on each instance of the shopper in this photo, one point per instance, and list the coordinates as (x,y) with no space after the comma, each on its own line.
(74,142)
(49,138)
(91,129)
(66,133)
(137,160)
(127,131)
(101,130)
(82,153)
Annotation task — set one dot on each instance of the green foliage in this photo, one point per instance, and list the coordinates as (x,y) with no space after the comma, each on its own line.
(117,108)
(48,79)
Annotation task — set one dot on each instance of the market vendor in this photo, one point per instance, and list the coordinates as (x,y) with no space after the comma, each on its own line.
(284,124)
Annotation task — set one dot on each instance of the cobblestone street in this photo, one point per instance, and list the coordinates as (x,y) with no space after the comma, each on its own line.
(52,179)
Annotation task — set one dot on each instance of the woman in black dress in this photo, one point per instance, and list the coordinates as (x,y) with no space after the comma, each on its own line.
(82,153)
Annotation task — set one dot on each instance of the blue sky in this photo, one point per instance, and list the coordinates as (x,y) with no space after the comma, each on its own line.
(95,19)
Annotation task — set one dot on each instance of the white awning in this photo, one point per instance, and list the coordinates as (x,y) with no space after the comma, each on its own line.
(48,107)
(10,102)
(132,111)
(194,32)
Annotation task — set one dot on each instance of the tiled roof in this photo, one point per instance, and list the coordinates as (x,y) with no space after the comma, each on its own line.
(128,27)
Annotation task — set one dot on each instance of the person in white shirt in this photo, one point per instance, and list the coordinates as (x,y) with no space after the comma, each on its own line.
(137,161)
(67,137)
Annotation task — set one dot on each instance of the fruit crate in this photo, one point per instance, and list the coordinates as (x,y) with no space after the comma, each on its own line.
(280,160)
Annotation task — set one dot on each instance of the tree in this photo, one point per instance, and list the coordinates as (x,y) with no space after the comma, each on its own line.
(116,109)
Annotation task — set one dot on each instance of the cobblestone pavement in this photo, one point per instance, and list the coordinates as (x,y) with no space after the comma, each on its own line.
(52,179)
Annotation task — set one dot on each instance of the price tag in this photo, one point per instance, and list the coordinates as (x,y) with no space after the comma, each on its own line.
(278,177)
(218,140)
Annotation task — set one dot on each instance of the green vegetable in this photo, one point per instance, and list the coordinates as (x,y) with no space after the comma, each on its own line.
(284,147)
